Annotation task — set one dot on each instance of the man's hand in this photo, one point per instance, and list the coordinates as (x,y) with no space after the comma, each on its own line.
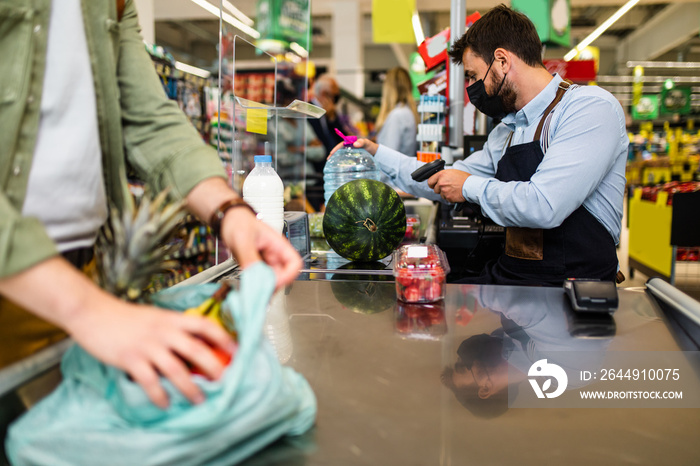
(147,343)
(144,341)
(249,239)
(361,143)
(448,184)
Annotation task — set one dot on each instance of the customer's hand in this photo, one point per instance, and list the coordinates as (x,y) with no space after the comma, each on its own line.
(147,343)
(251,240)
(144,341)
(361,143)
(448,184)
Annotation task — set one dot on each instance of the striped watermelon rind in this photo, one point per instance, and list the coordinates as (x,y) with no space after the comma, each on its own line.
(365,220)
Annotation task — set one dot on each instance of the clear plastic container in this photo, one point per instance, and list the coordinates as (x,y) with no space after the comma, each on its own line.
(347,164)
(420,271)
(264,191)
(412,229)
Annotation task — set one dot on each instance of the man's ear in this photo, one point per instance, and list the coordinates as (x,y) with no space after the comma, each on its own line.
(503,60)
(485,389)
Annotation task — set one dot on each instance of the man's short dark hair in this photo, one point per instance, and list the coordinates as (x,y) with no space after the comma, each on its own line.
(504,28)
(486,408)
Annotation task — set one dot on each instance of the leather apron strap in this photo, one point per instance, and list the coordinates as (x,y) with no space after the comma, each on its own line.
(563,87)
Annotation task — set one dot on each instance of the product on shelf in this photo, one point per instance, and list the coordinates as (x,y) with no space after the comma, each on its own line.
(650,193)
(688,254)
(421,271)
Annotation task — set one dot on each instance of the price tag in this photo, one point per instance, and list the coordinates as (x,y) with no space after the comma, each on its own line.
(418,252)
(256,120)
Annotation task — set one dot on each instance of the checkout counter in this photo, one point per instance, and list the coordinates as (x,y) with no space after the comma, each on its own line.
(378,369)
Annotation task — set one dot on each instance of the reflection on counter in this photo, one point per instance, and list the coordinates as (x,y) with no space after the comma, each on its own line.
(377,372)
(420,321)
(364,297)
(277,327)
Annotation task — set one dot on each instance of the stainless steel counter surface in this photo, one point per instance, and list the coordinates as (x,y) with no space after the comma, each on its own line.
(376,371)
(376,368)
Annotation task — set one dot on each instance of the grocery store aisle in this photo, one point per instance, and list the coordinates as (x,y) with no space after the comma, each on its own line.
(687,274)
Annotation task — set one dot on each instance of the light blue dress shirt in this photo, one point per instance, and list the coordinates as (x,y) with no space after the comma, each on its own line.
(584,163)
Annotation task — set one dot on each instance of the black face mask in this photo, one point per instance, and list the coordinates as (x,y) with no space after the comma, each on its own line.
(490,105)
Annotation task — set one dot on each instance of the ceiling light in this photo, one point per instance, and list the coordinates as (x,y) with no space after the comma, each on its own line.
(238,13)
(417,28)
(202,73)
(664,64)
(228,18)
(600,29)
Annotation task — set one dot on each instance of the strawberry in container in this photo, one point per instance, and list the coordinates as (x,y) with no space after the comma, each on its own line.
(412,229)
(420,271)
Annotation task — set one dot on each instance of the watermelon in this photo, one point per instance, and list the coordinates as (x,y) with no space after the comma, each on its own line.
(364,297)
(365,220)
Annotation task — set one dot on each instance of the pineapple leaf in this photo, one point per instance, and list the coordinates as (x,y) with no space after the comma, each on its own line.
(130,247)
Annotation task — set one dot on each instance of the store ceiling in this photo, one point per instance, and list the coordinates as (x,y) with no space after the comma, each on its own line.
(652,30)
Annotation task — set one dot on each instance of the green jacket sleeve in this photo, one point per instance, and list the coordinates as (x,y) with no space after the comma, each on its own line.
(23,240)
(160,142)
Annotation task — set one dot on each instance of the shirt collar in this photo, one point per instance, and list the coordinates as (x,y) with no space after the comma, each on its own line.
(534,109)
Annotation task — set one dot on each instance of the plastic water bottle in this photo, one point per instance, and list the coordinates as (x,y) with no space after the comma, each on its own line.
(347,164)
(264,191)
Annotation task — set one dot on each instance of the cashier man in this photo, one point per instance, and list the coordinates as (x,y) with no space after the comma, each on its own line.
(552,172)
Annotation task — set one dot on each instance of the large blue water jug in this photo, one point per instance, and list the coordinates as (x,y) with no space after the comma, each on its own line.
(347,164)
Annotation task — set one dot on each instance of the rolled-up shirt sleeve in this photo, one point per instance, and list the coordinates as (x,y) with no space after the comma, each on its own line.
(398,167)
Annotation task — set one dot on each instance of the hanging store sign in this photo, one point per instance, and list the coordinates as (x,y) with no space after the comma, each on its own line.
(417,72)
(675,100)
(282,22)
(392,21)
(579,71)
(433,50)
(647,108)
(552,19)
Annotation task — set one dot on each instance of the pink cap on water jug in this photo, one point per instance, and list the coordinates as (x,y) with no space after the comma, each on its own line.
(347,140)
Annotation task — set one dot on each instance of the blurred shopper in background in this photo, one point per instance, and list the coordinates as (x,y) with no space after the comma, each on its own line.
(326,95)
(397,120)
(299,151)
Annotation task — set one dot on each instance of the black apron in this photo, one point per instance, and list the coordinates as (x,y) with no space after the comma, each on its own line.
(580,247)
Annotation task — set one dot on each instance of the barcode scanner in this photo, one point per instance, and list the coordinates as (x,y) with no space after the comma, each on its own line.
(429,169)
(424,172)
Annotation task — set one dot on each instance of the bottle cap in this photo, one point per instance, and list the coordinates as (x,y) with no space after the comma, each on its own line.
(262,158)
(347,140)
